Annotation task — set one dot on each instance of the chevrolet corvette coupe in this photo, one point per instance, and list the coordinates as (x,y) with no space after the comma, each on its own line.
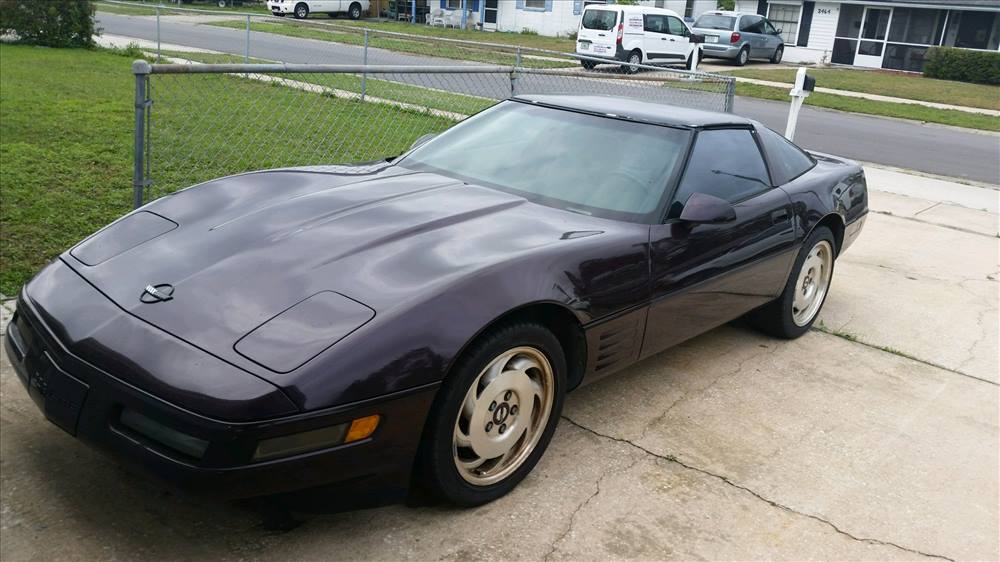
(418,321)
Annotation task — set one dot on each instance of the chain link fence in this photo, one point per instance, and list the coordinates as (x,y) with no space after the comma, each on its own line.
(204,115)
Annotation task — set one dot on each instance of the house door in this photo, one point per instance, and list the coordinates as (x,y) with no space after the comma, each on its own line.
(874,27)
(490,14)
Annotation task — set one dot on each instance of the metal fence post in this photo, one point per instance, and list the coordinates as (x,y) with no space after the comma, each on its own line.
(730,95)
(514,71)
(157,34)
(246,47)
(364,75)
(141,70)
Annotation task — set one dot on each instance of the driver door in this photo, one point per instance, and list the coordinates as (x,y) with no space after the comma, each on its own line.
(703,275)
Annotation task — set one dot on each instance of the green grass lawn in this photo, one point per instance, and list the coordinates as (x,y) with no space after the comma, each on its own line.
(150,10)
(398,44)
(561,44)
(886,83)
(430,96)
(884,109)
(66,141)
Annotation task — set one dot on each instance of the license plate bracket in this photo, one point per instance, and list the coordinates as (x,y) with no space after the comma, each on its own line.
(58,394)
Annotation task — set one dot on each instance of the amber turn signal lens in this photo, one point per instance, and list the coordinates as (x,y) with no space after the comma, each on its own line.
(362,428)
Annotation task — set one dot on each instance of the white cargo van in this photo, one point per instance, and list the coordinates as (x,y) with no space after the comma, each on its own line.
(634,35)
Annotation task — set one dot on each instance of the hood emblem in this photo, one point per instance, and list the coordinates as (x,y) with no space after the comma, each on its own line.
(157,293)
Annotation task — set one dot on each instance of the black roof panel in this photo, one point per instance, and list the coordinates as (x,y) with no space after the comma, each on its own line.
(647,112)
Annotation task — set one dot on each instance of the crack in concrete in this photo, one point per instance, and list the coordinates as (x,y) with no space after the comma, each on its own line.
(773,503)
(583,504)
(854,339)
(739,368)
(932,223)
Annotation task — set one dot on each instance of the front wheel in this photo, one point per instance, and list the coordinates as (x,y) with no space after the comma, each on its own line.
(793,313)
(354,12)
(495,415)
(301,11)
(778,53)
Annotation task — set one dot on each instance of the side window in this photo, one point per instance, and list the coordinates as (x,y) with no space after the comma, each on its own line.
(725,163)
(787,160)
(750,24)
(676,26)
(654,23)
(769,29)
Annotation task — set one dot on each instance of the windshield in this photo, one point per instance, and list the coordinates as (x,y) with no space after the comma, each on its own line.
(712,21)
(587,164)
(601,20)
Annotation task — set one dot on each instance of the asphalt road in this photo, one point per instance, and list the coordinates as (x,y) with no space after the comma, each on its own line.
(933,149)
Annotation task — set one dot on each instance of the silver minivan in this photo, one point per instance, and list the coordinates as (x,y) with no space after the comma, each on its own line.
(739,37)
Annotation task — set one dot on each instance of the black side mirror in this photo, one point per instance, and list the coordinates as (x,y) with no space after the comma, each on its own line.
(696,38)
(707,209)
(422,139)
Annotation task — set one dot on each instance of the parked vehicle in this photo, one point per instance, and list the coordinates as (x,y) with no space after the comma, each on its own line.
(739,37)
(301,9)
(635,35)
(358,326)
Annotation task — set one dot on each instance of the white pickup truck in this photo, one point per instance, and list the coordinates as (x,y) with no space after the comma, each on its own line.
(301,9)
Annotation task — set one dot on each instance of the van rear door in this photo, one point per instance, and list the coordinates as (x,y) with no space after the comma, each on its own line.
(598,33)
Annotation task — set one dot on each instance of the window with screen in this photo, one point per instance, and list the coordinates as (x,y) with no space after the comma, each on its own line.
(454,4)
(786,19)
(725,163)
(535,4)
(787,160)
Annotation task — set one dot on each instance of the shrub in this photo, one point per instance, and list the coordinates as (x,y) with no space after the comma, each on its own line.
(53,23)
(948,63)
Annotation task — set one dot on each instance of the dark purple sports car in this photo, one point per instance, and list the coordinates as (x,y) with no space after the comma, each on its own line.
(420,320)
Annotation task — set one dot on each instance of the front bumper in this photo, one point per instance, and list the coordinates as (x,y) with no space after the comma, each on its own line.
(722,51)
(281,8)
(87,400)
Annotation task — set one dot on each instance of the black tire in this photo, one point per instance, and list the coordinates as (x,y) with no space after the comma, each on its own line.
(280,15)
(436,466)
(588,64)
(742,57)
(354,12)
(221,3)
(301,11)
(634,59)
(778,53)
(776,317)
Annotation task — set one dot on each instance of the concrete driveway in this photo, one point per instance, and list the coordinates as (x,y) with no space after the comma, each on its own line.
(874,437)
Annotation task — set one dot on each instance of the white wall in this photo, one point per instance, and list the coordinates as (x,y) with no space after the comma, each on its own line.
(560,21)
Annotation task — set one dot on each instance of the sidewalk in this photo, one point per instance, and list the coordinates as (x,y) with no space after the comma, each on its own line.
(875,97)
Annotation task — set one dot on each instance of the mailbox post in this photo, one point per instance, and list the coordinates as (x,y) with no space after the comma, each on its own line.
(804,85)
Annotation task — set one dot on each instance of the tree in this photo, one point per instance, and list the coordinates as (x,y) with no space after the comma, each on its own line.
(52,23)
(726,4)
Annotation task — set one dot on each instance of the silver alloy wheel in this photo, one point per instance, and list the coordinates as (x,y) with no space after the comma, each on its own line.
(744,56)
(634,60)
(503,415)
(778,54)
(355,12)
(813,282)
(301,11)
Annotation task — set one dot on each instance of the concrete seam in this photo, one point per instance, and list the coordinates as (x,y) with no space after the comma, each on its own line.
(773,503)
(854,339)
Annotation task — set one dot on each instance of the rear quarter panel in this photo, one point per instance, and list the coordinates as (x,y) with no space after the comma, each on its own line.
(834,186)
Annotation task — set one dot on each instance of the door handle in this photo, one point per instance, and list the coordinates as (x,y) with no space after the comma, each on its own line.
(671,40)
(779,216)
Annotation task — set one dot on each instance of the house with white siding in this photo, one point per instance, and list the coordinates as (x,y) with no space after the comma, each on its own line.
(892,34)
(546,17)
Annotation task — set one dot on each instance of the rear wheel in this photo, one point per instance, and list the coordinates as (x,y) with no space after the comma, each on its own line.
(588,64)
(354,12)
(634,60)
(742,57)
(793,313)
(495,415)
(301,11)
(778,53)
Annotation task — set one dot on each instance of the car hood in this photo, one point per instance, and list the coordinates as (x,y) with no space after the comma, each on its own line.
(238,252)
